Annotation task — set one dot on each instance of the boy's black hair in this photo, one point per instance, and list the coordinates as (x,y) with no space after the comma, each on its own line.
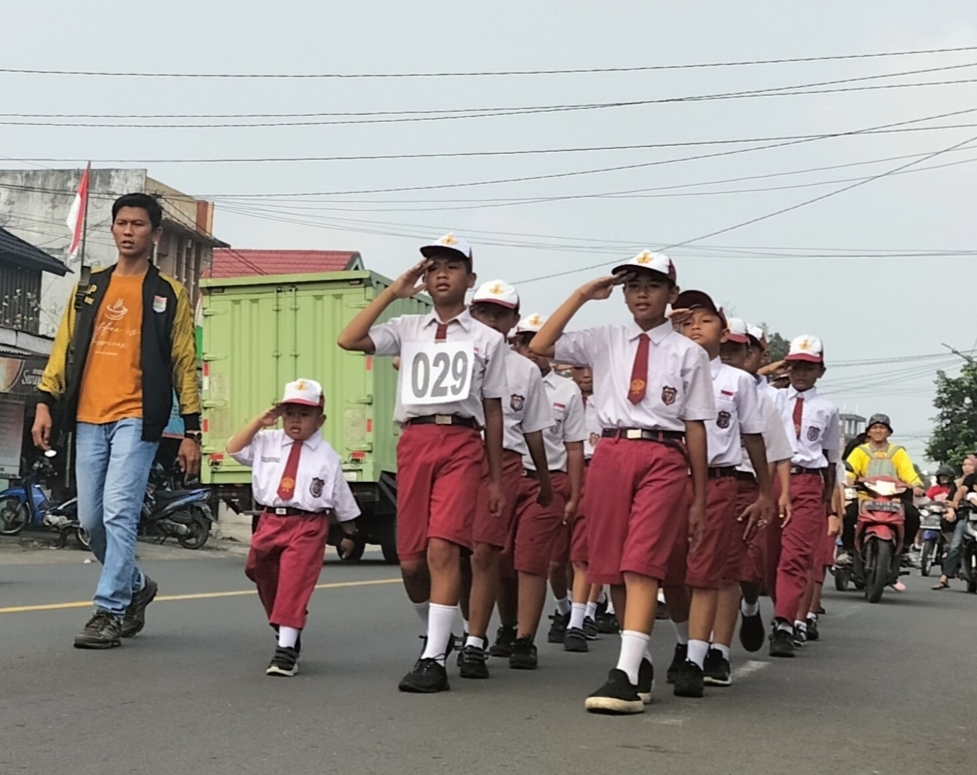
(142,201)
(451,254)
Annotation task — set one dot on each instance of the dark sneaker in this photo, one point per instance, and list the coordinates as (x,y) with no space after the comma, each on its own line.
(752,633)
(680,658)
(689,680)
(800,637)
(427,677)
(523,655)
(284,663)
(782,643)
(715,672)
(135,618)
(576,641)
(590,629)
(461,651)
(472,661)
(298,641)
(103,631)
(646,681)
(813,633)
(504,638)
(617,696)
(558,630)
(607,624)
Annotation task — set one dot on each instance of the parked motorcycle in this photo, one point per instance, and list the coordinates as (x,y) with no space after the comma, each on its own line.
(63,518)
(183,514)
(26,504)
(934,542)
(968,549)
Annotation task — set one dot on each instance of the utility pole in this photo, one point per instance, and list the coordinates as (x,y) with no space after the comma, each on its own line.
(955,351)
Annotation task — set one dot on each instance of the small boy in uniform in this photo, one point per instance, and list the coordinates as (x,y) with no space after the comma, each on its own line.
(654,394)
(812,426)
(450,386)
(297,478)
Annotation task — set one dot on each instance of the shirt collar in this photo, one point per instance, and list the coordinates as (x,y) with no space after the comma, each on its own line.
(716,366)
(463,318)
(311,443)
(656,334)
(807,395)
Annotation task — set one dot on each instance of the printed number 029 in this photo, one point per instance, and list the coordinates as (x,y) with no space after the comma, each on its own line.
(442,365)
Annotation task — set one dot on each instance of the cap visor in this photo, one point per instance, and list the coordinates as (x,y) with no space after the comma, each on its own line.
(636,268)
(496,302)
(302,402)
(430,251)
(738,338)
(804,357)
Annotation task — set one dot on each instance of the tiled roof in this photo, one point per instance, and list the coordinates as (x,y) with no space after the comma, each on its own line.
(22,253)
(229,262)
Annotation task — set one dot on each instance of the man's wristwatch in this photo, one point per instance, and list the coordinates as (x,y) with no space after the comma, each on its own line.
(196,436)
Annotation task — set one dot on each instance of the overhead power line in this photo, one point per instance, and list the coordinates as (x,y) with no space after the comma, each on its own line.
(493,73)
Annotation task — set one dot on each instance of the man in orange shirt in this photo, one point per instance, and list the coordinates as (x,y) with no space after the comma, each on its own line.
(126,341)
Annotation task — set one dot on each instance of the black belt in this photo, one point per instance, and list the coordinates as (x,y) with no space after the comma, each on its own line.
(745,476)
(528,474)
(444,419)
(801,471)
(642,434)
(722,472)
(281,511)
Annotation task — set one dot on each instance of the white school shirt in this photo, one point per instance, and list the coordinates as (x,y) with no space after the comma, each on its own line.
(769,389)
(527,409)
(774,437)
(566,402)
(593,427)
(679,386)
(488,375)
(319,484)
(737,412)
(820,428)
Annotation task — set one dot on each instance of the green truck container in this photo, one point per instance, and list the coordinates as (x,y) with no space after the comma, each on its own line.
(261,332)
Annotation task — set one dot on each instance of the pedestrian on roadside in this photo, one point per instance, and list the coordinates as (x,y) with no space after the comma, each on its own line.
(125,343)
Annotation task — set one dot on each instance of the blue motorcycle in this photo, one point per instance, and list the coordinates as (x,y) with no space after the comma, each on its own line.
(17,508)
(931,517)
(172,512)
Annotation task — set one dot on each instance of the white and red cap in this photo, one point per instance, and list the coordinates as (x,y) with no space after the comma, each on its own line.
(759,334)
(738,331)
(652,262)
(497,292)
(448,242)
(306,392)
(806,348)
(530,324)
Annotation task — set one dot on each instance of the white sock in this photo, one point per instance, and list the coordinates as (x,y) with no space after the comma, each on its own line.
(577,614)
(724,650)
(591,611)
(633,648)
(464,625)
(750,609)
(802,626)
(784,625)
(812,618)
(439,621)
(681,632)
(603,597)
(478,643)
(610,605)
(697,652)
(563,605)
(287,637)
(422,609)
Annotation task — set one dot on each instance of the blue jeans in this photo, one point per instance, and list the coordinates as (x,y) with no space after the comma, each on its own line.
(952,560)
(112,469)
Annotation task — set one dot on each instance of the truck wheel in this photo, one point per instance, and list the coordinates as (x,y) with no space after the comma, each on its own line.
(389,548)
(354,556)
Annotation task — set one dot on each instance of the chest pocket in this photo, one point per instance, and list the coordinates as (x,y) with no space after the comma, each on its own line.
(666,392)
(555,432)
(726,417)
(813,431)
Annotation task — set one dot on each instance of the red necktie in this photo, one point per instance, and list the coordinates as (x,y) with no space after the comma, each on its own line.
(286,488)
(798,414)
(639,372)
(441,334)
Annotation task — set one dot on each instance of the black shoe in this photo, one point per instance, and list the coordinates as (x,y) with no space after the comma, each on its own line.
(618,695)
(284,663)
(813,633)
(504,638)
(821,611)
(607,624)
(298,640)
(576,641)
(716,669)
(558,630)
(646,681)
(590,629)
(800,637)
(472,661)
(135,618)
(427,677)
(752,632)
(523,655)
(782,643)
(461,651)
(689,680)
(103,631)
(680,658)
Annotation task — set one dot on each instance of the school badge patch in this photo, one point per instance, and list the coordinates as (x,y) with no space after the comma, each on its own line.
(813,433)
(517,402)
(159,304)
(722,419)
(316,487)
(669,394)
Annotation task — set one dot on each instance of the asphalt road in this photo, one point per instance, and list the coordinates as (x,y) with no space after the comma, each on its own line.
(891,689)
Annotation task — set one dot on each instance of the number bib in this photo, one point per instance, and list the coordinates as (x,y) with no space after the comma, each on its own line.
(435,373)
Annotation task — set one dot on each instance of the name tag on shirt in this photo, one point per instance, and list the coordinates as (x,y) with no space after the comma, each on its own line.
(436,373)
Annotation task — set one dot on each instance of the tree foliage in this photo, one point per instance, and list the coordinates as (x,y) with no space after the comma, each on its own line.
(777,346)
(955,434)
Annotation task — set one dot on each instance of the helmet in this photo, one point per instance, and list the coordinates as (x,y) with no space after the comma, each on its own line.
(945,471)
(879,419)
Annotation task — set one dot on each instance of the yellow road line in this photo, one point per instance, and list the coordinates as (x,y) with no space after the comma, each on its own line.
(195,596)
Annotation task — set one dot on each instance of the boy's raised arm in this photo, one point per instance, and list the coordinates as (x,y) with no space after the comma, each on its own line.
(544,342)
(356,336)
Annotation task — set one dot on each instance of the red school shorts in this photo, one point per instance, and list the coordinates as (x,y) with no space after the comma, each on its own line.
(743,555)
(439,468)
(579,546)
(538,527)
(490,530)
(706,564)
(637,505)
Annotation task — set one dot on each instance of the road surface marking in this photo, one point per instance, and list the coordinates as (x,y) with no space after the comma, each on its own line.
(195,596)
(748,669)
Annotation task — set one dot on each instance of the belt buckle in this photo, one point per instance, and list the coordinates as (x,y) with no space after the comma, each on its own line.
(281,512)
(442,419)
(633,433)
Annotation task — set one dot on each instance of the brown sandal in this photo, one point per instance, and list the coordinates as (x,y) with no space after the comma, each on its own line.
(942,585)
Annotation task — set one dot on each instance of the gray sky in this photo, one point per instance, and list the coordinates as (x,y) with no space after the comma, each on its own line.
(863,308)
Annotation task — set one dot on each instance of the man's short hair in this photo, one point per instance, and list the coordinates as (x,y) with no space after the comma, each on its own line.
(142,201)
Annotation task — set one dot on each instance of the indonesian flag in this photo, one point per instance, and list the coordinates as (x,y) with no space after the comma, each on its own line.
(76,216)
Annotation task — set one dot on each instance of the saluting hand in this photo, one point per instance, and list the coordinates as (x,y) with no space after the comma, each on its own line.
(679,317)
(603,287)
(411,282)
(271,416)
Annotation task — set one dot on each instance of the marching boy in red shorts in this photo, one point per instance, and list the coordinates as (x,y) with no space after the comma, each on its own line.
(451,385)
(297,477)
(654,394)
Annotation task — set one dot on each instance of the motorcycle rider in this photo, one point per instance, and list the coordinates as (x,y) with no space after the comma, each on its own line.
(956,515)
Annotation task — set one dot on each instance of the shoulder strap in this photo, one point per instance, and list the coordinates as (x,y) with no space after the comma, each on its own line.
(84,280)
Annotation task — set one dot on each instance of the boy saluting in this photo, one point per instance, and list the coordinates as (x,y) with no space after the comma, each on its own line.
(653,392)
(451,383)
